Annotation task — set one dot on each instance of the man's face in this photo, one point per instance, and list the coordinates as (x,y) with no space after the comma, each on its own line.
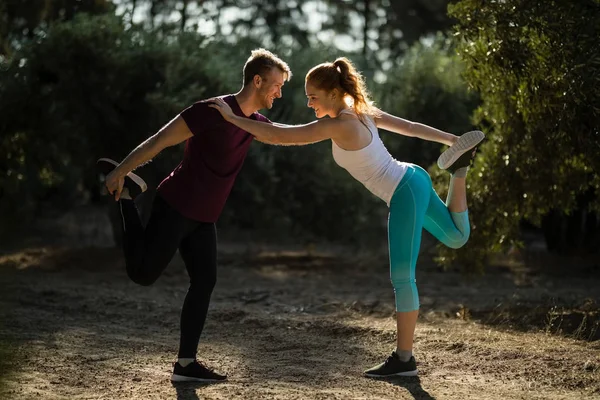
(270,87)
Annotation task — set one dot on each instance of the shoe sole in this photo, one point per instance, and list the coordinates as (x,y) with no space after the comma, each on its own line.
(407,373)
(134,178)
(182,378)
(464,143)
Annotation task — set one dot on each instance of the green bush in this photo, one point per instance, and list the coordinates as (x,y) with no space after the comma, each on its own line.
(536,66)
(92,87)
(427,87)
(85,89)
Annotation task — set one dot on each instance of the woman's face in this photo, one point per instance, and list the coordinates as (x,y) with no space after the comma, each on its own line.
(319,100)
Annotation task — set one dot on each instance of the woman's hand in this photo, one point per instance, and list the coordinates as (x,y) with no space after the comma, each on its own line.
(220,104)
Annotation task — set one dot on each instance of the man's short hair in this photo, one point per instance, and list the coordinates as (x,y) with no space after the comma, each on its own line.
(260,62)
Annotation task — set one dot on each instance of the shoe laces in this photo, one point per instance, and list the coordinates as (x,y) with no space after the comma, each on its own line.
(390,359)
(201,364)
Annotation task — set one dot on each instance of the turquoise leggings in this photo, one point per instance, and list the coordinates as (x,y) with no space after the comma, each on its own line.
(415,205)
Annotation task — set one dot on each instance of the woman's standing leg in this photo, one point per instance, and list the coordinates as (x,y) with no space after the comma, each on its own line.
(405,225)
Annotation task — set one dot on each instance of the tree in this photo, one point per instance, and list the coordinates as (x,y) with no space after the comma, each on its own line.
(77,92)
(20,18)
(389,28)
(427,87)
(536,66)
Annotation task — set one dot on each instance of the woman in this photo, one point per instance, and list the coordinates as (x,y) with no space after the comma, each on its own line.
(337,90)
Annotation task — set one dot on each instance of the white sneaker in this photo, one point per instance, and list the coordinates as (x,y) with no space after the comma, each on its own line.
(134,185)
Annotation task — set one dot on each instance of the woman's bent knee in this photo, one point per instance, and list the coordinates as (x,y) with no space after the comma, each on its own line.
(459,242)
(461,221)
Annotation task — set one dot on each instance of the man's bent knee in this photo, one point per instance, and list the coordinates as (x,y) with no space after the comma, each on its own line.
(142,279)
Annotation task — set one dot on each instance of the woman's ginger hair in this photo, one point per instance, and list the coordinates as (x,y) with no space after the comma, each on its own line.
(342,75)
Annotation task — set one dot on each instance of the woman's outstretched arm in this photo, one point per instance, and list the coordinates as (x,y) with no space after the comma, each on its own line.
(408,128)
(313,132)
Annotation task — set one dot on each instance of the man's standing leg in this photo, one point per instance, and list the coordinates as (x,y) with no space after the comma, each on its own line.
(199,252)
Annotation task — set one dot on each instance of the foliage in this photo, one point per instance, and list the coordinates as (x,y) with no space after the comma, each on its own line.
(382,29)
(84,89)
(94,87)
(426,87)
(536,65)
(20,19)
(387,28)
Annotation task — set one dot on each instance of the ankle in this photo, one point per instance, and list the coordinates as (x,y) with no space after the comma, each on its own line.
(404,355)
(460,173)
(184,362)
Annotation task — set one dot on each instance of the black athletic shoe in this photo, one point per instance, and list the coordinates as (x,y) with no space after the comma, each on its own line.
(393,366)
(466,160)
(463,145)
(133,183)
(195,372)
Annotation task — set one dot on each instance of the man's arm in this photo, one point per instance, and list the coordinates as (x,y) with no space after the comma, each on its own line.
(175,132)
(408,128)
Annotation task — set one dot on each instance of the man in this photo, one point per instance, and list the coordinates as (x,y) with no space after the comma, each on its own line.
(190,200)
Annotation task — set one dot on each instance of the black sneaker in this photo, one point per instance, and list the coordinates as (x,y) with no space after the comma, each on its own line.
(463,145)
(393,366)
(133,183)
(195,372)
(466,160)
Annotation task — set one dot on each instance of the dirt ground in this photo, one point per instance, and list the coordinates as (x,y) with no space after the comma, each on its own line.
(287,323)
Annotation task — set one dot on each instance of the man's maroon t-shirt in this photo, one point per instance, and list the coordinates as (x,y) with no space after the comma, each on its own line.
(198,188)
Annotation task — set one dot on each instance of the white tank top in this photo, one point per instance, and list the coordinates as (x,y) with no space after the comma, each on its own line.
(372,165)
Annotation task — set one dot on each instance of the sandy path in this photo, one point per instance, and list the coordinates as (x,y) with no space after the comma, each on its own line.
(284,326)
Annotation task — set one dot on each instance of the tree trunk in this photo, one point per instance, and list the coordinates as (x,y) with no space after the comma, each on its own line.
(133,6)
(184,14)
(367,18)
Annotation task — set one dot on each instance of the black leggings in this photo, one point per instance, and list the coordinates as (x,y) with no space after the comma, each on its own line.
(149,250)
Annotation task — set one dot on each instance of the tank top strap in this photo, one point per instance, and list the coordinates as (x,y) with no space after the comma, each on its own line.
(365,120)
(348,111)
